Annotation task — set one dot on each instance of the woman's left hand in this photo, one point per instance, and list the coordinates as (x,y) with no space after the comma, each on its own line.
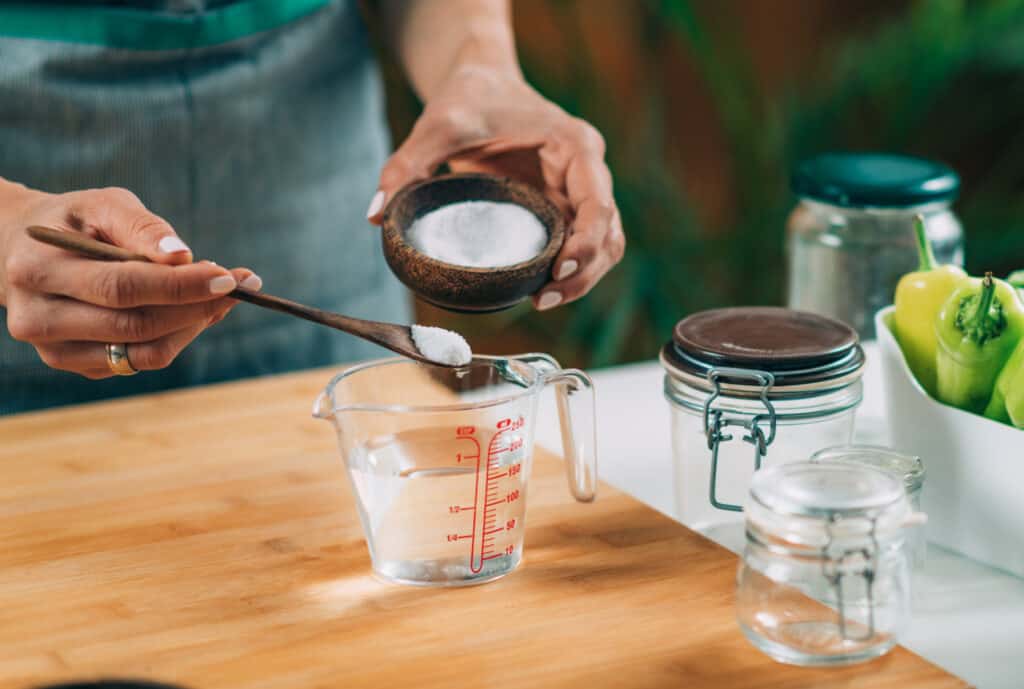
(486,121)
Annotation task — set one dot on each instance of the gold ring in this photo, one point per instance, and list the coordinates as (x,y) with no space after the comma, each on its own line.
(117,360)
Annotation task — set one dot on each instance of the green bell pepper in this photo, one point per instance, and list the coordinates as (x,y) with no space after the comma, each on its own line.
(1017,280)
(978,328)
(919,296)
(1007,404)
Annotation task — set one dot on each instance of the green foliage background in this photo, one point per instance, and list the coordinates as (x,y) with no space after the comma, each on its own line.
(943,80)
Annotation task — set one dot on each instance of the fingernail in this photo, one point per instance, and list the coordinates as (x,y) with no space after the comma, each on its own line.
(549,300)
(253,282)
(375,204)
(222,284)
(172,245)
(567,269)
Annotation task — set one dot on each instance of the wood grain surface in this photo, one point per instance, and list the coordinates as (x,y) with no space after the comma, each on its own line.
(208,538)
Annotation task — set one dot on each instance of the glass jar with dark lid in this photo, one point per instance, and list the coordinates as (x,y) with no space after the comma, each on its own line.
(851,235)
(751,385)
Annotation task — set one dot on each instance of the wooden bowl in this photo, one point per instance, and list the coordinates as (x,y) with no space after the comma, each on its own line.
(462,288)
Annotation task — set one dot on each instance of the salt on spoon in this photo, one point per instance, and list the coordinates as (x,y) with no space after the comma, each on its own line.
(441,346)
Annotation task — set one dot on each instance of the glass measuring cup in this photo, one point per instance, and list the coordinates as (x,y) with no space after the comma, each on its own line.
(439,459)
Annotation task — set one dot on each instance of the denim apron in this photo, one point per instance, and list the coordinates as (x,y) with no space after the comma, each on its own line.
(256,128)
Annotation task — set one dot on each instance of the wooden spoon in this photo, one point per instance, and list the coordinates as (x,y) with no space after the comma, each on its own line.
(397,338)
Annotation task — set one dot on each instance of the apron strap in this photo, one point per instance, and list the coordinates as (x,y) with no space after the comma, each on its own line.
(138,29)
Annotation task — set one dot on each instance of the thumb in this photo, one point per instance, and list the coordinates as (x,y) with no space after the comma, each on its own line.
(123,220)
(431,142)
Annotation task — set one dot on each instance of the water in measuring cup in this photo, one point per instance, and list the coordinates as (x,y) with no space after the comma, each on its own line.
(443,505)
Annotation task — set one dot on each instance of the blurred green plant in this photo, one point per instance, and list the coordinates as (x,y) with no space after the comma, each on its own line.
(943,79)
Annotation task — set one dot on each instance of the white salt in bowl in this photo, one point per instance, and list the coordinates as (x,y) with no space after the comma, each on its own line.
(459,287)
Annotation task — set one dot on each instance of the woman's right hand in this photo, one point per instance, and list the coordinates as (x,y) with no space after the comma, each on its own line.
(68,306)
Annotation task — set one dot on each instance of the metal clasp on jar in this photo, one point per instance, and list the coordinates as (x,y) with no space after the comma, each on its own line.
(715,420)
(860,561)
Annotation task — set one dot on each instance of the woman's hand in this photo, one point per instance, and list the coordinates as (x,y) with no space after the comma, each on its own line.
(484,120)
(68,307)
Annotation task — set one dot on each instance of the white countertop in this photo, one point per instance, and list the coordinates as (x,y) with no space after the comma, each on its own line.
(968,618)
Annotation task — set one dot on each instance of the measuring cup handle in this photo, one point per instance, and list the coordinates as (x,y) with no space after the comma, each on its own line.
(574,395)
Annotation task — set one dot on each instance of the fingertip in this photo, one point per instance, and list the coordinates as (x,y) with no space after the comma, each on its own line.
(375,211)
(247,279)
(548,300)
(567,269)
(173,251)
(222,285)
(253,282)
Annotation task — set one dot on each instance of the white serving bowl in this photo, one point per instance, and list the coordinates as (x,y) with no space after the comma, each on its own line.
(974,491)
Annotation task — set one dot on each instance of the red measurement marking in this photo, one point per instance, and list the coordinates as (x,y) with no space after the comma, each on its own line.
(491,484)
(515,469)
(463,431)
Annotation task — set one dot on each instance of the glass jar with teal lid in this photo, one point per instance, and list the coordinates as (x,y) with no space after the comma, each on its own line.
(851,236)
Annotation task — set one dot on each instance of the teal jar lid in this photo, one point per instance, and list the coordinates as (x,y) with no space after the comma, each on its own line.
(879,180)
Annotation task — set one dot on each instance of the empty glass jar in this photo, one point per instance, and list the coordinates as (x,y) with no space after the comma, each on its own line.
(749,386)
(824,578)
(907,469)
(851,236)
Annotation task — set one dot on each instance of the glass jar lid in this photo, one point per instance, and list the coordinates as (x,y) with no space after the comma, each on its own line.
(874,180)
(906,468)
(796,350)
(818,503)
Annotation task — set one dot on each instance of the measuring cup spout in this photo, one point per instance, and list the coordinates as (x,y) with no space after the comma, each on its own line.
(574,396)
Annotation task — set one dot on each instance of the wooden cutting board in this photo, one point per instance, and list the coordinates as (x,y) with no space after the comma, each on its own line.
(208,538)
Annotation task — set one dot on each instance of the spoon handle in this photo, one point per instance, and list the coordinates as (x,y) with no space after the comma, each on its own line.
(87,246)
(82,244)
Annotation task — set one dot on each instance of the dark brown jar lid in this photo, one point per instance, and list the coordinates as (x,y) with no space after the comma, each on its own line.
(799,349)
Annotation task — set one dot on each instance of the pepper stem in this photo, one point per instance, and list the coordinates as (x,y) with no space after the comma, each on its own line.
(926,256)
(981,315)
(988,293)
